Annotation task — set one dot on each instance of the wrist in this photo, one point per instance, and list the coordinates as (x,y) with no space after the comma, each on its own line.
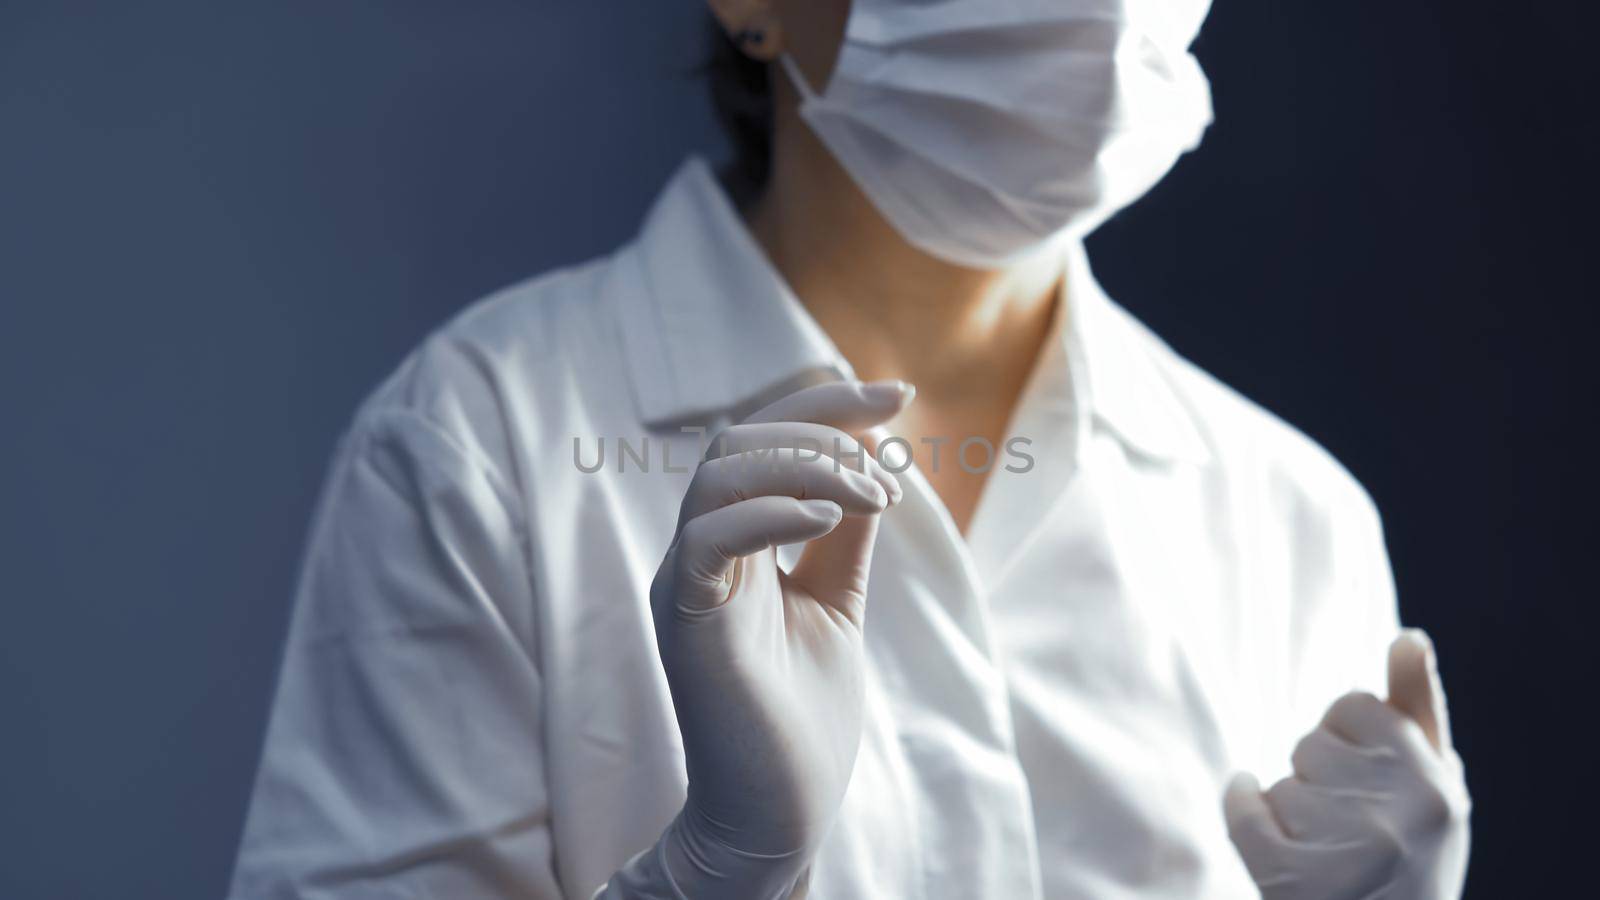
(701,866)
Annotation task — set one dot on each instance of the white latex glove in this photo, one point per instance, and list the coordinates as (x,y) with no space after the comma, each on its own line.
(765,666)
(1377,806)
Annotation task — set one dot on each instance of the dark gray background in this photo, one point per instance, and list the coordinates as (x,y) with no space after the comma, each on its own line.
(222,223)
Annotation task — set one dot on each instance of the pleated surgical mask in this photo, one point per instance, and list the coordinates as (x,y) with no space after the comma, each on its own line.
(983,129)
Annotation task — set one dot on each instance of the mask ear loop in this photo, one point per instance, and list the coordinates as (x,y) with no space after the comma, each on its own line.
(797,78)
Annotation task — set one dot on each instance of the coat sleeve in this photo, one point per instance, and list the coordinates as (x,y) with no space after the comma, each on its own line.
(403,756)
(1341,643)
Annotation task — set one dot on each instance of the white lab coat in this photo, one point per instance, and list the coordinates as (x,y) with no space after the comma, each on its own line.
(471,705)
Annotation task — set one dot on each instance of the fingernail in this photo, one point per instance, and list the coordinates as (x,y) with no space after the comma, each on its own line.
(880,497)
(824,510)
(869,489)
(1421,637)
(889,390)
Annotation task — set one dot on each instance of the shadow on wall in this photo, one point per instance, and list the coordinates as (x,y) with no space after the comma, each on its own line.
(220,226)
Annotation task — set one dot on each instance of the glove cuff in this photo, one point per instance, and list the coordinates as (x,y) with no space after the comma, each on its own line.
(698,866)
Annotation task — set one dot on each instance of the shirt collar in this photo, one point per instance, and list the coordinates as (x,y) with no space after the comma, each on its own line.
(1124,372)
(711,329)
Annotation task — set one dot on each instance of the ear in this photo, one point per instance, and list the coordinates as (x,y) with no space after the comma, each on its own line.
(752,24)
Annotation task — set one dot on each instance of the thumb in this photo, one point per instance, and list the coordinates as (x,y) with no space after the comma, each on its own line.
(1415,688)
(837,566)
(1252,826)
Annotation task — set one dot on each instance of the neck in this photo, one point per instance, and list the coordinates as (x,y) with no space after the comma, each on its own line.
(893,310)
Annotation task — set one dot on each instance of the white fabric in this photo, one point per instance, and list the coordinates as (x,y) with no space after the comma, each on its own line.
(982,129)
(472,704)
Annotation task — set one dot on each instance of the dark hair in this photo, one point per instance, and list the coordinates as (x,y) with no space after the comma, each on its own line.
(741,92)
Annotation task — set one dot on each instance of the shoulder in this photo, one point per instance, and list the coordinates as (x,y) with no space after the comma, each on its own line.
(1302,484)
(506,372)
(526,333)
(1301,524)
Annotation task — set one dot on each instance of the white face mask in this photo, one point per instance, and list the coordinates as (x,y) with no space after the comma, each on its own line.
(983,129)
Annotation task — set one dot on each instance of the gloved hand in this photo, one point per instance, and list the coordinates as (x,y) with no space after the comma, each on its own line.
(1377,806)
(765,666)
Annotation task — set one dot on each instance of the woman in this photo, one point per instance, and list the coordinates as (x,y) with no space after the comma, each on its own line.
(1026,661)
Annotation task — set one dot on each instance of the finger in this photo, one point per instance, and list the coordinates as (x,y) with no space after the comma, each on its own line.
(1363,719)
(1353,856)
(846,405)
(1415,688)
(1252,826)
(1335,845)
(789,441)
(1314,814)
(849,406)
(709,545)
(835,569)
(1366,721)
(731,479)
(1324,758)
